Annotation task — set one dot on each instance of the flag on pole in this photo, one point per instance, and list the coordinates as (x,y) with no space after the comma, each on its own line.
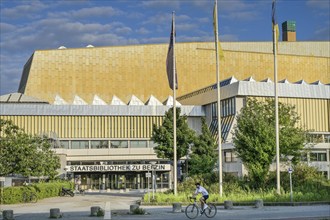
(170,59)
(215,29)
(275,25)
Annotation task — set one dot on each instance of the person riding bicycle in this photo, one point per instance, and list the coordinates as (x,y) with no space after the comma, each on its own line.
(205,195)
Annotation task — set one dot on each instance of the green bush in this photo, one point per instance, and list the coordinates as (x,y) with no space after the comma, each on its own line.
(13,195)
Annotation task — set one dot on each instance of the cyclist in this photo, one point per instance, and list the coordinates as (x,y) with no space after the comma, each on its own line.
(205,195)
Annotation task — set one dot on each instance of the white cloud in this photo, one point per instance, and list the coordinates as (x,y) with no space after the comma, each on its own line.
(186,27)
(174,4)
(241,16)
(322,34)
(87,13)
(5,27)
(320,4)
(27,10)
(123,30)
(142,30)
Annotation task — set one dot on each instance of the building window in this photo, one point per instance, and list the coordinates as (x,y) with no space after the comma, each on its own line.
(138,144)
(318,156)
(230,156)
(79,145)
(99,144)
(228,107)
(327,138)
(119,144)
(65,144)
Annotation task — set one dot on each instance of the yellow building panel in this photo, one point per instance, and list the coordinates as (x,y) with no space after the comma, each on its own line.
(140,70)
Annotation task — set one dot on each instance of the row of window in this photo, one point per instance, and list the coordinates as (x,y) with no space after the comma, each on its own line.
(228,107)
(230,156)
(104,144)
(318,156)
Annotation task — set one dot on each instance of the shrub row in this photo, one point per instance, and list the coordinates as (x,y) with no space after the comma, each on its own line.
(12,195)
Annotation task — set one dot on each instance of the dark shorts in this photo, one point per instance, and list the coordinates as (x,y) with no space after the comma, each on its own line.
(206,197)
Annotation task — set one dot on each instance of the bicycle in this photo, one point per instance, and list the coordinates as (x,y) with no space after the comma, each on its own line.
(29,197)
(192,210)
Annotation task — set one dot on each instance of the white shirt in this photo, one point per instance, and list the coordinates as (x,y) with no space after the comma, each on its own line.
(202,190)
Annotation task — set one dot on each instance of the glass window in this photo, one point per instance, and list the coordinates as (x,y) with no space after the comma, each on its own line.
(119,144)
(230,156)
(318,157)
(99,144)
(79,144)
(65,144)
(138,144)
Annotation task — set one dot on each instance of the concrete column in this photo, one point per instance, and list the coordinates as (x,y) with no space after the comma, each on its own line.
(259,203)
(177,207)
(55,213)
(228,204)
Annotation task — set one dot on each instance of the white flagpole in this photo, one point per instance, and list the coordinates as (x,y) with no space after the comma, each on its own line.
(218,99)
(174,110)
(278,183)
(276,119)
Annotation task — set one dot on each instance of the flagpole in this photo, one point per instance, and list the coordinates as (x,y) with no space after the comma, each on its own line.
(218,98)
(278,183)
(174,110)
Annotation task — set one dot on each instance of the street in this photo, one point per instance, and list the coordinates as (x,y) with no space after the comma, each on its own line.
(78,208)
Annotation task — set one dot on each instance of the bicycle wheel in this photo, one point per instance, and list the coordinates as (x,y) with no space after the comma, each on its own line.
(34,198)
(210,211)
(191,211)
(24,197)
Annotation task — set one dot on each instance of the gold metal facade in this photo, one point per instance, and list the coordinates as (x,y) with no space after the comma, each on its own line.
(89,127)
(140,70)
(314,113)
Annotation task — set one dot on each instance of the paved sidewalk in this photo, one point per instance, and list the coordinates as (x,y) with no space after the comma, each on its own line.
(78,208)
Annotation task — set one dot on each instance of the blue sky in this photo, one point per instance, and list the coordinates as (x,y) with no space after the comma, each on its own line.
(29,25)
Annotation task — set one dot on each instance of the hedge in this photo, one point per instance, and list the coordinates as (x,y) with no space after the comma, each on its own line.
(12,195)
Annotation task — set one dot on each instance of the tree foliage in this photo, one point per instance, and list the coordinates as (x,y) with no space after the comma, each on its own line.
(203,157)
(24,154)
(254,136)
(163,136)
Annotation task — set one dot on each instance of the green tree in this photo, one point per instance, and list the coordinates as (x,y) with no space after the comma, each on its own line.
(203,157)
(163,136)
(24,154)
(254,137)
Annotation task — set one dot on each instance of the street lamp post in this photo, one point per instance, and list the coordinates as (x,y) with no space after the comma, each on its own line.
(290,171)
(153,179)
(65,173)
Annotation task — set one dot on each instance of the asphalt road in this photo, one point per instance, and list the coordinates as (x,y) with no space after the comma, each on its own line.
(78,208)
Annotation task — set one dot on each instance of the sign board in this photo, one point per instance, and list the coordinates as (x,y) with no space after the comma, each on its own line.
(2,179)
(119,168)
(290,170)
(148,175)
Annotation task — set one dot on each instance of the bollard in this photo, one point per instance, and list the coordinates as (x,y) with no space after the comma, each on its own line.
(55,213)
(228,204)
(107,211)
(8,214)
(132,208)
(94,210)
(177,207)
(259,203)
